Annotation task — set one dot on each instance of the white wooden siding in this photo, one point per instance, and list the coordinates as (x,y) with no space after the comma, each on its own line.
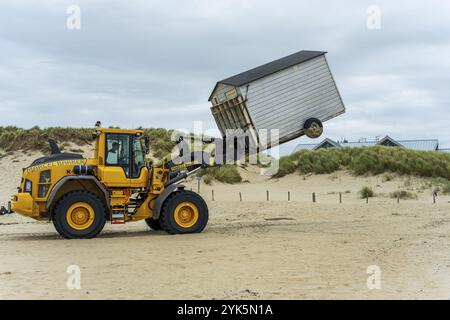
(286,99)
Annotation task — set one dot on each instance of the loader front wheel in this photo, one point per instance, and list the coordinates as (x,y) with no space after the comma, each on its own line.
(184,212)
(79,215)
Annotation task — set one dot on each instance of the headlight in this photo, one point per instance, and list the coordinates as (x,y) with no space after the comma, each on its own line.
(28,186)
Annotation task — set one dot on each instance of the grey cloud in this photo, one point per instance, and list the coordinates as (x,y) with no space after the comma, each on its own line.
(154,63)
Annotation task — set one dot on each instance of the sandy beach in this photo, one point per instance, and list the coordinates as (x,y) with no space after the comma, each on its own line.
(254,249)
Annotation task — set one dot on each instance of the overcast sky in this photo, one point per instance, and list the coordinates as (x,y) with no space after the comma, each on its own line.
(154,63)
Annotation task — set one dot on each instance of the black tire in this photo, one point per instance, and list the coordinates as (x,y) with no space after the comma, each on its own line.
(167,218)
(60,220)
(313,128)
(153,224)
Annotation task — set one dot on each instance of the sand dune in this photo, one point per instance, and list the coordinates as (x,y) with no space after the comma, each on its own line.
(254,249)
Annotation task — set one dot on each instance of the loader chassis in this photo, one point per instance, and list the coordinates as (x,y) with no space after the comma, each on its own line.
(116,185)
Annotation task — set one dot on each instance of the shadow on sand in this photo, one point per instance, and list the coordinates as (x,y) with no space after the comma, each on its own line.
(105,235)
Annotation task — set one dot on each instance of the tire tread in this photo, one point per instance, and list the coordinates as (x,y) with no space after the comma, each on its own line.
(164,217)
(69,195)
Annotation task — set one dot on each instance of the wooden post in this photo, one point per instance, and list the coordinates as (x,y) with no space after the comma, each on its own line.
(314,197)
(340,197)
(367,199)
(212,195)
(289,196)
(267,195)
(240,196)
(434,197)
(398,198)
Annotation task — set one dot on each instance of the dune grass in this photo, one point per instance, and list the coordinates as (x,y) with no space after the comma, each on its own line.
(366,192)
(368,161)
(161,143)
(403,194)
(208,179)
(18,139)
(35,138)
(225,174)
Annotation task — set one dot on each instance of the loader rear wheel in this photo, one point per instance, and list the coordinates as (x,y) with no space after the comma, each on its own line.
(79,215)
(313,128)
(153,224)
(184,212)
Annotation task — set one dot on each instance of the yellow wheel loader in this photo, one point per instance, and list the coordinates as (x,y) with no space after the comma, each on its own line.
(117,185)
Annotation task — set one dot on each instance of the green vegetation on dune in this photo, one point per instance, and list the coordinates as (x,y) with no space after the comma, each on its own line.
(225,174)
(403,194)
(366,192)
(15,139)
(446,188)
(368,160)
(161,143)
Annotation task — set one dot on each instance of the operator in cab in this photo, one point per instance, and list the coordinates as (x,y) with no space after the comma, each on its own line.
(113,153)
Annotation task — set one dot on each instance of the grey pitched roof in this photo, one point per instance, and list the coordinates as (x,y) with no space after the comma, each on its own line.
(386,139)
(313,146)
(271,67)
(304,146)
(424,145)
(327,140)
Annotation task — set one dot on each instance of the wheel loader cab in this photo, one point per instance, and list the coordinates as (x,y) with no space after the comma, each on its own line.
(121,158)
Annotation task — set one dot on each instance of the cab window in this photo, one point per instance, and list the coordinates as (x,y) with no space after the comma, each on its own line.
(138,157)
(118,151)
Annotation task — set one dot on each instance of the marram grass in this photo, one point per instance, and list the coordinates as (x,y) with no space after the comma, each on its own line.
(368,161)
